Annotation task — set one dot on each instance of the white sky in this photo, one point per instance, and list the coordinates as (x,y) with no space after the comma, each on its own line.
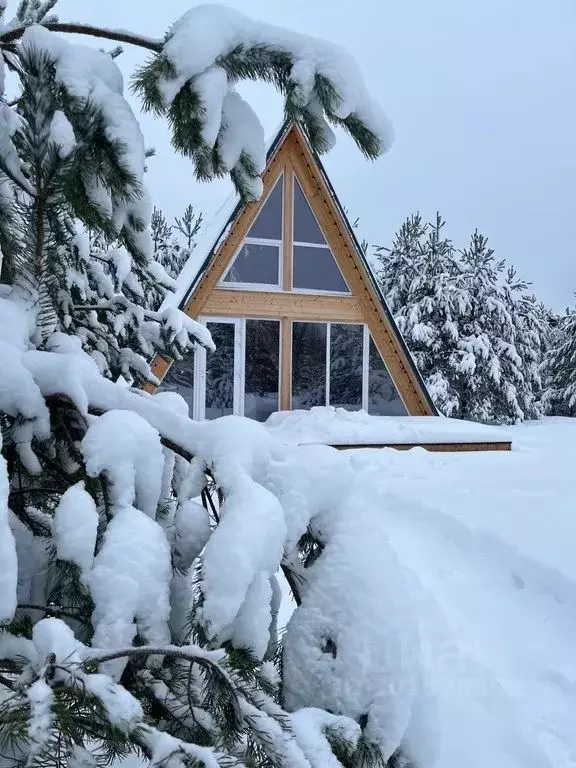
(482,94)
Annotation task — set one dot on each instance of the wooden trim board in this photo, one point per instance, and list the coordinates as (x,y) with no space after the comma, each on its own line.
(227,303)
(434,447)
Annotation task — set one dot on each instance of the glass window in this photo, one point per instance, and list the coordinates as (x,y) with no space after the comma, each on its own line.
(220,371)
(315,269)
(268,224)
(346,355)
(383,397)
(262,361)
(306,229)
(255,263)
(180,379)
(308,364)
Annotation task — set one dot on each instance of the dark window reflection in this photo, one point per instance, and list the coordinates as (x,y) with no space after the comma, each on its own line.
(383,397)
(220,371)
(346,348)
(262,368)
(308,365)
(315,269)
(255,263)
(268,225)
(306,229)
(180,379)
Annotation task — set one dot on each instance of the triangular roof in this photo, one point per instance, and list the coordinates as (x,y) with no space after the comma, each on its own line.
(291,148)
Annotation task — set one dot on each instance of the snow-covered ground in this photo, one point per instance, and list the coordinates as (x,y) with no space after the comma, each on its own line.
(488,541)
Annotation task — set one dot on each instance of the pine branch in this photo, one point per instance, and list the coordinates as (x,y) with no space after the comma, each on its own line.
(117,35)
(51,611)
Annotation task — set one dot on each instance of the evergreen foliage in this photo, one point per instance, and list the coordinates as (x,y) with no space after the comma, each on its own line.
(559,367)
(475,333)
(173,243)
(92,667)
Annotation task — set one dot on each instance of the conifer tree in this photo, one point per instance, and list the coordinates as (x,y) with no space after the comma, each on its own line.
(559,368)
(475,333)
(173,243)
(398,264)
(488,368)
(420,276)
(531,341)
(115,635)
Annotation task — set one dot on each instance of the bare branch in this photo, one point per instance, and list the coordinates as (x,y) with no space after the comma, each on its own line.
(118,35)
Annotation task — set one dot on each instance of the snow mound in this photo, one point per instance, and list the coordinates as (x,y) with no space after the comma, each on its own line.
(336,426)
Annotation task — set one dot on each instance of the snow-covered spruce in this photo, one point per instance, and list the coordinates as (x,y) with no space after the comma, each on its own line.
(74,207)
(559,367)
(476,335)
(174,243)
(373,666)
(121,630)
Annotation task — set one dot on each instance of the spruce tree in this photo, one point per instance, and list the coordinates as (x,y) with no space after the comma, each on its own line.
(532,330)
(173,243)
(559,368)
(489,376)
(398,264)
(420,277)
(476,334)
(116,636)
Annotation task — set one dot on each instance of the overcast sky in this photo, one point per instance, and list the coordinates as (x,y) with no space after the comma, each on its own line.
(482,94)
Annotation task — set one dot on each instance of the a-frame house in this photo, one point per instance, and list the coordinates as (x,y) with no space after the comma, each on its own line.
(293,307)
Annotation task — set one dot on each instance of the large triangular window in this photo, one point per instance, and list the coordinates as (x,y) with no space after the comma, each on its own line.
(314,267)
(257,263)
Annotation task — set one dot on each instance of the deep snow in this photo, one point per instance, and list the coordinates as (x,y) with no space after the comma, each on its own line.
(487,541)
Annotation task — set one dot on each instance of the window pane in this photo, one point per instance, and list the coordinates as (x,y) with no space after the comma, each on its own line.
(256,263)
(220,371)
(268,224)
(383,397)
(306,229)
(262,368)
(316,270)
(346,354)
(180,379)
(308,364)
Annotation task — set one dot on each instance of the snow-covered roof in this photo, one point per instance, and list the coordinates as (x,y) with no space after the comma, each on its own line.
(336,426)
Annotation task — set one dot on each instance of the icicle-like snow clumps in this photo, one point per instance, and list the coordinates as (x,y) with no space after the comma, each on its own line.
(426,631)
(8,562)
(75,527)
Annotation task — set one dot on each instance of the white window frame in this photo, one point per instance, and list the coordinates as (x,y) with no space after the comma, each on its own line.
(262,287)
(313,291)
(268,287)
(365,361)
(239,364)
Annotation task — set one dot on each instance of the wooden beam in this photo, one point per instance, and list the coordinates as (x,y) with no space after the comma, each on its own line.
(160,367)
(227,303)
(434,447)
(286,365)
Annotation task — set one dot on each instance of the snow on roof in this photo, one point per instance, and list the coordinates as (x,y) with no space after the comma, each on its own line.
(336,426)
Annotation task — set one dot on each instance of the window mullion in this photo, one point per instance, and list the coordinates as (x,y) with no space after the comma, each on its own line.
(366,368)
(239,365)
(328,325)
(200,383)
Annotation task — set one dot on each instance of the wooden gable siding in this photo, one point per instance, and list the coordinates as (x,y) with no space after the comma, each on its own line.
(294,157)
